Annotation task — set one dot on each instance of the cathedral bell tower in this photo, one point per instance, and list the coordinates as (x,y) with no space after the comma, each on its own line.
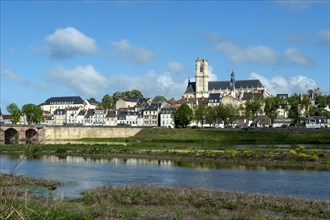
(202,78)
(232,84)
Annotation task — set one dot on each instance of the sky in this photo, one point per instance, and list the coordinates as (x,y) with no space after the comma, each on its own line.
(93,48)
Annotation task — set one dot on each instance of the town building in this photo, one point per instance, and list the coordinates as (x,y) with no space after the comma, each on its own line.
(54,103)
(166,119)
(150,115)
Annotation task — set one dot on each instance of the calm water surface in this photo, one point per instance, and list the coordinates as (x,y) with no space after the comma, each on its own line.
(79,173)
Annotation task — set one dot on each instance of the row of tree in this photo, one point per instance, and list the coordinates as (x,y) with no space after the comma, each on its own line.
(202,113)
(295,106)
(32,113)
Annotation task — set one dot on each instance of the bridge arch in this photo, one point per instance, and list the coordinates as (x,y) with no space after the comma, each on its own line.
(31,136)
(11,136)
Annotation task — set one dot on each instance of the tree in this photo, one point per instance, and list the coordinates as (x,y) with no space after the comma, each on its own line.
(15,112)
(252,108)
(117,95)
(33,113)
(159,98)
(232,113)
(271,106)
(183,116)
(321,101)
(107,102)
(297,105)
(123,95)
(210,115)
(135,93)
(306,106)
(227,113)
(199,113)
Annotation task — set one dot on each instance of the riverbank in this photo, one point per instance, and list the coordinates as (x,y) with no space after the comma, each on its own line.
(223,137)
(146,202)
(284,157)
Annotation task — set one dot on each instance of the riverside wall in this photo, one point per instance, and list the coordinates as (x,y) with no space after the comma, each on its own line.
(74,133)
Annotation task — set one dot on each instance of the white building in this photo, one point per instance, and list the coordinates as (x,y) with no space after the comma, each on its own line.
(166,119)
(54,103)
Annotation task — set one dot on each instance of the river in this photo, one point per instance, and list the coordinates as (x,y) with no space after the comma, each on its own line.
(79,173)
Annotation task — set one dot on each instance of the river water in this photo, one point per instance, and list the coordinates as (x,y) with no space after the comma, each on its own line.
(79,173)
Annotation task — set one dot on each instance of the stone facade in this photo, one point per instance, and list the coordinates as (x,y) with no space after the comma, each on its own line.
(45,134)
(202,88)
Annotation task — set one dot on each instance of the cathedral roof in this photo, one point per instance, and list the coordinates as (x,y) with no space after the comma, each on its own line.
(191,88)
(218,85)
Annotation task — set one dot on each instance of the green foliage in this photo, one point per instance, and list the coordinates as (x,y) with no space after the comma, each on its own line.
(227,113)
(322,101)
(271,106)
(297,105)
(92,99)
(159,98)
(123,95)
(252,108)
(15,112)
(199,113)
(128,213)
(210,115)
(33,113)
(107,102)
(61,150)
(183,116)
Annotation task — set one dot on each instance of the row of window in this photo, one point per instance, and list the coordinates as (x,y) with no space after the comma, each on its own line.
(151,123)
(61,103)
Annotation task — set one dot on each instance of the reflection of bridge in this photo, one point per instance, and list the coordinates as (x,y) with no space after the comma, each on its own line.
(11,134)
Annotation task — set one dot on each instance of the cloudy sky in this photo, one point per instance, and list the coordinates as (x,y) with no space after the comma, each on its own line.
(93,48)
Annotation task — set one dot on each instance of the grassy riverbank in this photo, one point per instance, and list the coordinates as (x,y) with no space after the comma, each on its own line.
(145,202)
(221,137)
(285,157)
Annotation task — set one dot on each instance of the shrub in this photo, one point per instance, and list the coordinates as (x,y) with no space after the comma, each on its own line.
(293,152)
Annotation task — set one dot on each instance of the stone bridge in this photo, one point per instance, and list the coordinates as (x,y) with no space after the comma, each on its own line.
(10,134)
(14,134)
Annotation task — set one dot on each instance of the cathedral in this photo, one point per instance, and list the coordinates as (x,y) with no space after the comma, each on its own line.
(203,89)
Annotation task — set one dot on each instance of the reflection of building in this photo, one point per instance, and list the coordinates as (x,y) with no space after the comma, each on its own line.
(202,88)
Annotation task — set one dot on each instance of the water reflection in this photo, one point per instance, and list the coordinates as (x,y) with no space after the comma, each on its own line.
(126,161)
(80,173)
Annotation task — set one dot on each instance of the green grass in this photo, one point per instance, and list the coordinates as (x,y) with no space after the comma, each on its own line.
(233,136)
(148,202)
(223,137)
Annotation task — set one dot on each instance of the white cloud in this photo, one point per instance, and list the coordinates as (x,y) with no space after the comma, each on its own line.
(12,76)
(134,54)
(67,42)
(263,55)
(150,84)
(290,85)
(175,67)
(260,55)
(212,76)
(324,37)
(82,79)
(293,56)
(296,5)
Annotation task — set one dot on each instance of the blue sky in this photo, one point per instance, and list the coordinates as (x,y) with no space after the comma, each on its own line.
(93,48)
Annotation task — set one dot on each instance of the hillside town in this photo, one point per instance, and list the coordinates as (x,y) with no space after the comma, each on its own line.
(248,98)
